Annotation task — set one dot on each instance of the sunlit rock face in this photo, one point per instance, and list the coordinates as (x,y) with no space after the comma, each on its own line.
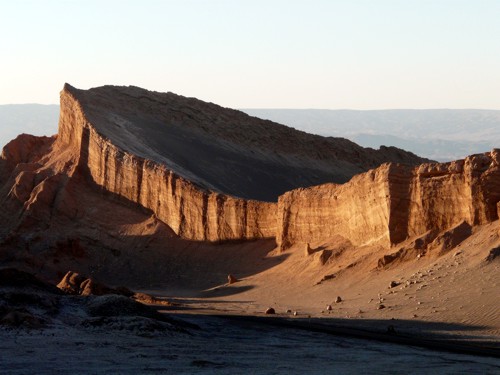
(215,174)
(209,173)
(125,158)
(394,202)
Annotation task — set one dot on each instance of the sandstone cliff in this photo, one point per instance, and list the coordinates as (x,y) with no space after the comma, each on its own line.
(187,163)
(184,160)
(191,210)
(219,149)
(389,204)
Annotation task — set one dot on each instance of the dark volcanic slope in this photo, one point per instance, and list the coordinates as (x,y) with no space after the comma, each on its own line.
(223,149)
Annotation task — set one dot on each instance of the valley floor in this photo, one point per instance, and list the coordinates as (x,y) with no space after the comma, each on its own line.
(220,346)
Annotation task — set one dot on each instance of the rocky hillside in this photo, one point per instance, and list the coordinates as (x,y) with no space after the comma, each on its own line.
(184,160)
(394,202)
(132,170)
(217,148)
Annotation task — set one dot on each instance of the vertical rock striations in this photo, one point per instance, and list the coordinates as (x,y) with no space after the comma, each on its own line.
(191,211)
(393,202)
(181,159)
(357,210)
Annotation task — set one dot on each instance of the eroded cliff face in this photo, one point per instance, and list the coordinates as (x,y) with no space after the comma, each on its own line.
(191,211)
(394,202)
(320,212)
(218,149)
(383,206)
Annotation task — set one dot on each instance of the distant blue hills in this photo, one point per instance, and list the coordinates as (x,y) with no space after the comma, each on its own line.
(439,134)
(36,119)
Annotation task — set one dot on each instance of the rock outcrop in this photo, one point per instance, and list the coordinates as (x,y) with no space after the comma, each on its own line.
(209,173)
(219,149)
(389,204)
(191,210)
(185,160)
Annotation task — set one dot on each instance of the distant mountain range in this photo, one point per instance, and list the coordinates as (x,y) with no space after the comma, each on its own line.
(36,119)
(439,134)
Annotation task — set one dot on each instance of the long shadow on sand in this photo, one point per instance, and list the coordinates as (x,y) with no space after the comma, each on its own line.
(431,335)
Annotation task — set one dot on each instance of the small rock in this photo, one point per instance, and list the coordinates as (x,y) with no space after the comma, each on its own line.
(393,284)
(295,313)
(231,279)
(288,311)
(329,308)
(270,310)
(338,299)
(380,307)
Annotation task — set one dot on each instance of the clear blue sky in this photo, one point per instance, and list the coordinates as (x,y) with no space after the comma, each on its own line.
(357,54)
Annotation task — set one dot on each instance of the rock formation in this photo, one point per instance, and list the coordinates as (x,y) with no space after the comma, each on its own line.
(389,204)
(184,160)
(210,174)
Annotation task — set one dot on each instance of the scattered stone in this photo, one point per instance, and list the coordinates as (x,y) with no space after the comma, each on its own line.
(380,307)
(270,311)
(76,284)
(393,284)
(329,308)
(231,279)
(338,299)
(288,311)
(295,313)
(493,254)
(151,300)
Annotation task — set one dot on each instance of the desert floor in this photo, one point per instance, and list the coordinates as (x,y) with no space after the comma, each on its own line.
(445,310)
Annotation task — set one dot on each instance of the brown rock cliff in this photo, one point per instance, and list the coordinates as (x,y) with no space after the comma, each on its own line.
(394,202)
(191,211)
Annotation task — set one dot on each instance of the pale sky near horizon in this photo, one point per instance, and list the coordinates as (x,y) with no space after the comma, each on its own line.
(357,54)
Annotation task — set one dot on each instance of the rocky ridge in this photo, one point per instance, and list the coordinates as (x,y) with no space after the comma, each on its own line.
(143,149)
(394,202)
(184,160)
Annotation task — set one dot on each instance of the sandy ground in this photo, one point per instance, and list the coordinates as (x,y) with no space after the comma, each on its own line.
(450,301)
(219,347)
(454,296)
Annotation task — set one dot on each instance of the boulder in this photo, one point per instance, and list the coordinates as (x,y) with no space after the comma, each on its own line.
(270,311)
(231,279)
